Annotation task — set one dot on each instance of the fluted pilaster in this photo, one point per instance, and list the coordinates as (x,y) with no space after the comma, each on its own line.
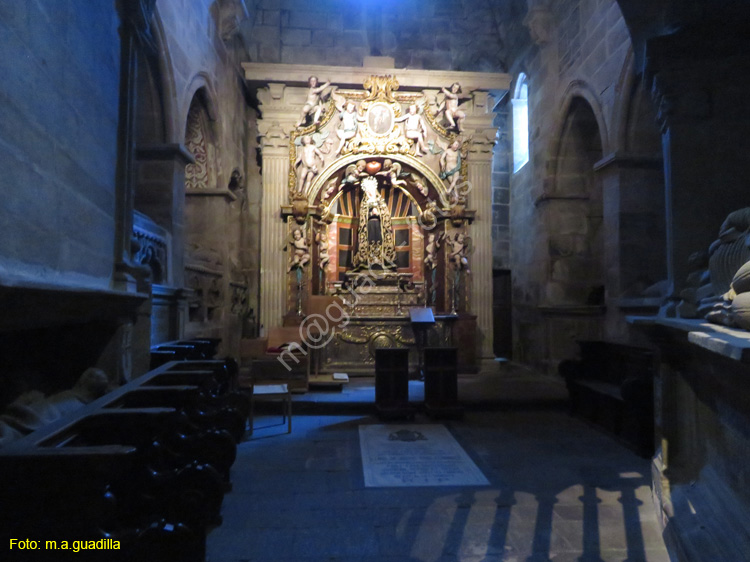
(480,198)
(275,151)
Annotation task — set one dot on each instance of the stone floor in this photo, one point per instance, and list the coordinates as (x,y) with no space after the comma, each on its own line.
(559,489)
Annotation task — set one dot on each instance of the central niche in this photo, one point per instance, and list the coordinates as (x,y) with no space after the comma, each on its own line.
(373,223)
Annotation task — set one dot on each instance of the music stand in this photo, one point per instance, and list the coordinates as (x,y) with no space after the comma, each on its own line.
(421,320)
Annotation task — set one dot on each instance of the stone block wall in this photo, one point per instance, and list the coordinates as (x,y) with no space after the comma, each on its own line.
(58,141)
(444,34)
(204,58)
(582,54)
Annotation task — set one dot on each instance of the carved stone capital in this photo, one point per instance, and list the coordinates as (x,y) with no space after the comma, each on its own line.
(273,137)
(482,143)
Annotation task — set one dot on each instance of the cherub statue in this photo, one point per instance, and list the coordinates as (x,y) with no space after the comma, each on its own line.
(331,187)
(349,120)
(306,160)
(431,248)
(392,170)
(460,249)
(449,106)
(450,167)
(315,102)
(300,249)
(321,237)
(414,128)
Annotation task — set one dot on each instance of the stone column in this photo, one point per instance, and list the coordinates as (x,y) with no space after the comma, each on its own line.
(160,194)
(480,198)
(275,149)
(479,126)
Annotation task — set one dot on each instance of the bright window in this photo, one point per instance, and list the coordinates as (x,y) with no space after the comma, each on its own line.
(520,103)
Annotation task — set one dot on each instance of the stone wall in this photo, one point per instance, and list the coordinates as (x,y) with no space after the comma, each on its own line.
(202,53)
(428,34)
(578,65)
(58,141)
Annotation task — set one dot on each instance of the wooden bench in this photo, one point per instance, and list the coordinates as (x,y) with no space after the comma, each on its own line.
(146,464)
(612,386)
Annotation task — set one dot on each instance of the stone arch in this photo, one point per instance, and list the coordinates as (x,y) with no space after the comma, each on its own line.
(573,212)
(576,90)
(635,182)
(201,141)
(432,179)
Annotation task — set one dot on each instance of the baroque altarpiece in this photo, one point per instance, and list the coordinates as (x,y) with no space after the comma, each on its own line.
(376,212)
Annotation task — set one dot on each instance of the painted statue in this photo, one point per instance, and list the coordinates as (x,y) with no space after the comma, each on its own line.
(307,159)
(315,102)
(450,167)
(414,129)
(299,248)
(450,107)
(460,249)
(376,247)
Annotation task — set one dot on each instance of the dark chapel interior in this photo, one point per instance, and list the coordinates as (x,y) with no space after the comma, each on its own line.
(540,204)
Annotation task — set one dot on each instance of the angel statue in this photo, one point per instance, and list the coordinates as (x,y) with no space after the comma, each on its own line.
(349,120)
(450,167)
(315,102)
(392,170)
(299,248)
(460,250)
(414,129)
(449,106)
(307,158)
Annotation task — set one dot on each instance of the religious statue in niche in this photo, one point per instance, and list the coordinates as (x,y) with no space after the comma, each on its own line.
(321,237)
(376,247)
(315,103)
(307,161)
(431,260)
(299,248)
(450,107)
(415,129)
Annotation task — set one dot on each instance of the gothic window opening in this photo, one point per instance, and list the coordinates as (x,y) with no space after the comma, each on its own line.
(520,104)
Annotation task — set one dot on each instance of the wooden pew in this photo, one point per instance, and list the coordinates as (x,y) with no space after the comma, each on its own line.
(612,386)
(147,465)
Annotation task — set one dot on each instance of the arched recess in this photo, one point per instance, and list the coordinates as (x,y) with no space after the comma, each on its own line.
(159,184)
(206,239)
(573,213)
(635,183)
(339,201)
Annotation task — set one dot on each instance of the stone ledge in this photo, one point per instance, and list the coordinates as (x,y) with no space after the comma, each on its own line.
(728,342)
(354,76)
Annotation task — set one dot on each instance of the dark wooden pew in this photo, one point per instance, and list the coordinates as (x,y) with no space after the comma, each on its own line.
(146,464)
(612,385)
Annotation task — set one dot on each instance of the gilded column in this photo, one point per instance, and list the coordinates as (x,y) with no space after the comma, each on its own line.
(275,151)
